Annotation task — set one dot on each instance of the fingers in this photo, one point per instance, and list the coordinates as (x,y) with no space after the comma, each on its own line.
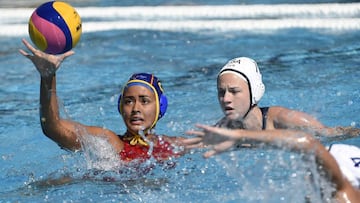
(34,51)
(218,148)
(190,141)
(195,132)
(67,54)
(202,126)
(209,153)
(24,53)
(195,146)
(207,137)
(208,128)
(28,45)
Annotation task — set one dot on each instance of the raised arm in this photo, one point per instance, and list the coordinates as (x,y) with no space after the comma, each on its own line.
(61,131)
(64,132)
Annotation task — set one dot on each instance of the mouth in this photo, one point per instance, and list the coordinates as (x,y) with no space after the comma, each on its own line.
(136,120)
(228,108)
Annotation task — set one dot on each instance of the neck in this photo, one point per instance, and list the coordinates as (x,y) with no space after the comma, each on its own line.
(253,120)
(246,114)
(130,133)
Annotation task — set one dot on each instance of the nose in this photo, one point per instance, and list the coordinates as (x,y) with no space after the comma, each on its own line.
(136,107)
(227,97)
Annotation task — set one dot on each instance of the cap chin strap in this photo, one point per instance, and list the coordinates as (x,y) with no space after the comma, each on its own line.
(251,107)
(135,139)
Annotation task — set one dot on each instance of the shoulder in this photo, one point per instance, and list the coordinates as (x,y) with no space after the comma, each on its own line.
(277,113)
(111,136)
(283,114)
(94,130)
(277,109)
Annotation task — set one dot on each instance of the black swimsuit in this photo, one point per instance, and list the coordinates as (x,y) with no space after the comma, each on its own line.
(264,111)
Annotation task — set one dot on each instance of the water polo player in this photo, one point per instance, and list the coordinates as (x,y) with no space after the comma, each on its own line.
(141,104)
(240,89)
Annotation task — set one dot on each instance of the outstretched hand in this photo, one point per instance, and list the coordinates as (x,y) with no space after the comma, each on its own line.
(216,139)
(46,64)
(348,131)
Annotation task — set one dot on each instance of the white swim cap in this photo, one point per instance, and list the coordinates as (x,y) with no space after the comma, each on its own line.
(248,70)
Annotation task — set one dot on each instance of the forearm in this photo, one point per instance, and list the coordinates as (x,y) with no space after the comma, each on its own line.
(62,132)
(302,142)
(295,140)
(49,112)
(287,139)
(343,132)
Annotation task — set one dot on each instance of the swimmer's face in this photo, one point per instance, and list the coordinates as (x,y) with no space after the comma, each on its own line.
(139,108)
(233,95)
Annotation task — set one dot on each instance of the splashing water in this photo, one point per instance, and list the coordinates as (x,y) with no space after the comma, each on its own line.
(273,175)
(98,152)
(151,144)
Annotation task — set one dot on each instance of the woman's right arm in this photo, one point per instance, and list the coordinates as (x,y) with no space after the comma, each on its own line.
(61,131)
(64,132)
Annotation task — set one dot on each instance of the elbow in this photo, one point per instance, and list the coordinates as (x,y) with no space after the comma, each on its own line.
(47,128)
(306,141)
(50,126)
(53,131)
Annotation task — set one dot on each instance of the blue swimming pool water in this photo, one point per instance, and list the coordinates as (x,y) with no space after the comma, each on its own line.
(306,65)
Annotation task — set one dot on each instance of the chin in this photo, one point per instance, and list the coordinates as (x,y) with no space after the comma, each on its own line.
(138,128)
(232,117)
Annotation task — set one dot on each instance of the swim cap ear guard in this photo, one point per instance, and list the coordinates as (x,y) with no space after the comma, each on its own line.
(163,105)
(151,82)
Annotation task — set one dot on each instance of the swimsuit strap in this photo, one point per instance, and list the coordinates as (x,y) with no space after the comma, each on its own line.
(264,111)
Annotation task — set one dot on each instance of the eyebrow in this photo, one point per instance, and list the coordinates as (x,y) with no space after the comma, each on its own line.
(139,96)
(128,96)
(232,87)
(144,96)
(235,88)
